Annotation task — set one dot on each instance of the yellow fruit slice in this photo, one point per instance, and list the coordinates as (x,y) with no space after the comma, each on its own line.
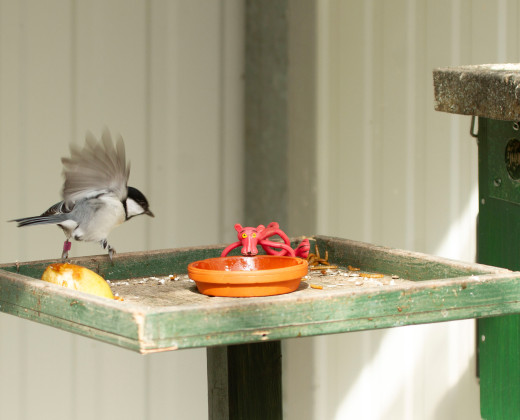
(77,278)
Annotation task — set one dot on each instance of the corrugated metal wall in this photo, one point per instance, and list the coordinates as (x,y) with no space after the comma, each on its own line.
(392,171)
(167,76)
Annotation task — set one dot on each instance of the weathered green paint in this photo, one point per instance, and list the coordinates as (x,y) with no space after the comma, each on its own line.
(447,290)
(409,265)
(244,381)
(218,382)
(255,388)
(130,265)
(498,245)
(499,367)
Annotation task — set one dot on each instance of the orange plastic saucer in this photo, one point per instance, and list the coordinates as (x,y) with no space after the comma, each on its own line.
(238,276)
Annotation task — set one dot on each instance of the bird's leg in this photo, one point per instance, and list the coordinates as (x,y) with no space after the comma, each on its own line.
(111,251)
(66,248)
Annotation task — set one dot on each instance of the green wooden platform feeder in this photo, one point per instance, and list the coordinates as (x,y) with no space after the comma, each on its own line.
(492,93)
(162,309)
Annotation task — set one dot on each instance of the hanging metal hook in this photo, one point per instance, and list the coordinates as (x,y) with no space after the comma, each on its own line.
(472,128)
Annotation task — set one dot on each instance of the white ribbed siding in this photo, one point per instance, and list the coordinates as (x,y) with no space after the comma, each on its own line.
(392,171)
(167,76)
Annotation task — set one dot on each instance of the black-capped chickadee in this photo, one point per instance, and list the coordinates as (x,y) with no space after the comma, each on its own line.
(96,197)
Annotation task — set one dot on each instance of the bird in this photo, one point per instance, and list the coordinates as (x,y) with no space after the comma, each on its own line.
(96,195)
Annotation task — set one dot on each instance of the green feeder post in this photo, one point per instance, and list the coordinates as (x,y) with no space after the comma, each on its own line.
(492,92)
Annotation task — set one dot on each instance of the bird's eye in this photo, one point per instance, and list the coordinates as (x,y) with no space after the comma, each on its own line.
(254,235)
(244,235)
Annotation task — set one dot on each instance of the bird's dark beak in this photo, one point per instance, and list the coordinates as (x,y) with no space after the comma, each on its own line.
(149,213)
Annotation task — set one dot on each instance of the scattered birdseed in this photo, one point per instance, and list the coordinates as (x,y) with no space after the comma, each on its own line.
(321,267)
(372,276)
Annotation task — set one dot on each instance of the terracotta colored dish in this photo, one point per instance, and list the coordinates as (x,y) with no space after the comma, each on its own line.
(239,276)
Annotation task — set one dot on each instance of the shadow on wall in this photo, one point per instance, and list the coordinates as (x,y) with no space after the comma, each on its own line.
(463,390)
(337,362)
(403,372)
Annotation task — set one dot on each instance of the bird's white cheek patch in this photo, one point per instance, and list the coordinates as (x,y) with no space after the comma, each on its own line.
(132,208)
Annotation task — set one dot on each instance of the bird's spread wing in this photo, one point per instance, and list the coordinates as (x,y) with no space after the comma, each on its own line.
(98,168)
(58,208)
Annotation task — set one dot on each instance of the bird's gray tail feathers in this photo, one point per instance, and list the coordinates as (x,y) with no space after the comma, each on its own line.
(39,220)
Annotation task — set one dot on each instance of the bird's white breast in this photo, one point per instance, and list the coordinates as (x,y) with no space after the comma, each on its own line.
(106,213)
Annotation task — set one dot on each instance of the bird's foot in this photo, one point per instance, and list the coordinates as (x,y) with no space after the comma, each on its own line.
(111,251)
(67,245)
